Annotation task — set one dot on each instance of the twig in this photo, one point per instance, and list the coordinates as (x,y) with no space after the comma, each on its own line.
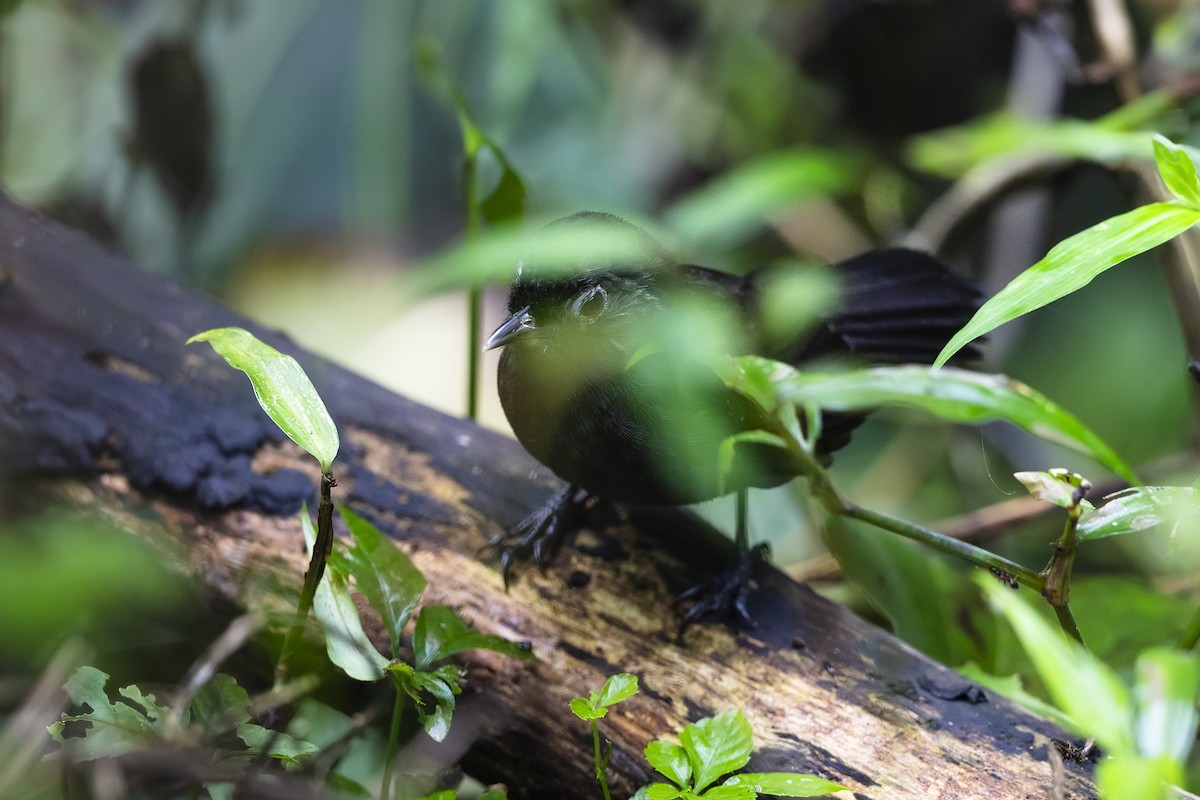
(312,577)
(228,643)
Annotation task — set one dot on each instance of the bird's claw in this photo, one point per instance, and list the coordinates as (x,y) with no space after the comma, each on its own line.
(726,591)
(540,534)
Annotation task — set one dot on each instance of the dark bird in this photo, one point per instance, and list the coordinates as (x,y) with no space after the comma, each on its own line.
(606,375)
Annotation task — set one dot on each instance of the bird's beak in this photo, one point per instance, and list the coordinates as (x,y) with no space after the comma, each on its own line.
(510,329)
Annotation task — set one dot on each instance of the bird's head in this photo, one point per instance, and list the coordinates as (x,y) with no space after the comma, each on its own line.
(590,276)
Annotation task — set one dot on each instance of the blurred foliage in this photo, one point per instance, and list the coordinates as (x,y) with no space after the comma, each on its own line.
(247,147)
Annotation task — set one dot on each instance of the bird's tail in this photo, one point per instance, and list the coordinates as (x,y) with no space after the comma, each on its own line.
(898,306)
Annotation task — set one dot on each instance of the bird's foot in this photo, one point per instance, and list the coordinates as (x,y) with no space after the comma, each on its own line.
(541,533)
(726,591)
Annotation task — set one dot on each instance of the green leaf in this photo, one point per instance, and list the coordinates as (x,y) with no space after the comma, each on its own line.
(734,205)
(494,793)
(671,760)
(444,794)
(441,633)
(717,746)
(621,686)
(1073,263)
(1087,691)
(441,685)
(1166,688)
(1053,487)
(282,389)
(585,710)
(786,784)
(383,573)
(507,200)
(726,450)
(287,749)
(345,640)
(1139,509)
(1135,778)
(952,394)
(663,791)
(116,728)
(1178,171)
(735,792)
(221,705)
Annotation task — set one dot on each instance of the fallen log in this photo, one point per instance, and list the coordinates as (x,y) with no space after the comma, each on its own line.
(103,403)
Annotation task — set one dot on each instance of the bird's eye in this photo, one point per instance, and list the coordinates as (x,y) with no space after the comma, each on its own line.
(591,303)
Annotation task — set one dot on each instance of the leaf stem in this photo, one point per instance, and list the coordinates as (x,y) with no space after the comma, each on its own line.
(393,745)
(312,577)
(601,761)
(474,294)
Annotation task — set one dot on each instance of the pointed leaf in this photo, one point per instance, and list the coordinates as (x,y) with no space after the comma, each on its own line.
(671,760)
(345,640)
(717,746)
(1073,263)
(1178,171)
(1139,509)
(618,687)
(282,389)
(786,784)
(952,394)
(383,573)
(734,792)
(441,633)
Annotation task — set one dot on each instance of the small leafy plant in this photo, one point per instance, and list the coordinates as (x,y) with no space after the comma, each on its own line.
(708,749)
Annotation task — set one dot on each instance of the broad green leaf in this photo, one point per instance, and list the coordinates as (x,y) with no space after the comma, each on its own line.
(494,793)
(618,687)
(1138,509)
(952,394)
(287,749)
(734,205)
(282,389)
(345,640)
(1051,487)
(1084,688)
(585,710)
(1073,263)
(671,760)
(318,723)
(717,746)
(441,633)
(383,573)
(786,784)
(506,201)
(1166,689)
(1178,171)
(116,728)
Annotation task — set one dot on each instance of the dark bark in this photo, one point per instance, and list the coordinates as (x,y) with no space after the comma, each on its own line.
(101,399)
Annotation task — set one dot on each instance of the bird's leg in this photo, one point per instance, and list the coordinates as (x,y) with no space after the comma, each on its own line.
(727,591)
(541,533)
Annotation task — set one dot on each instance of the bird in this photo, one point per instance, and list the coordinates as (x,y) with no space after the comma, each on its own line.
(606,375)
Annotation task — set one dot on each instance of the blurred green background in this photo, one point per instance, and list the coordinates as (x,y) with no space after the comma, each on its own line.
(296,159)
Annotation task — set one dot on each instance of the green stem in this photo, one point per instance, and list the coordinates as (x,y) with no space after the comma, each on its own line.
(946,544)
(475,294)
(312,577)
(601,765)
(393,746)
